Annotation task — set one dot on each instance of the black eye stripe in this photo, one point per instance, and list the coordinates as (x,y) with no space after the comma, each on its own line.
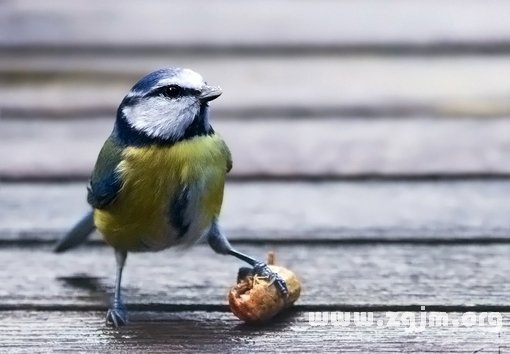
(173,91)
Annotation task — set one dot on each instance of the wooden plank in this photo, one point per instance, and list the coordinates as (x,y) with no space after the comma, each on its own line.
(335,276)
(56,86)
(231,22)
(194,332)
(282,148)
(297,211)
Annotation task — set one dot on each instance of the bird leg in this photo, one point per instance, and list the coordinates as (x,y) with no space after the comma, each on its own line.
(220,244)
(117,314)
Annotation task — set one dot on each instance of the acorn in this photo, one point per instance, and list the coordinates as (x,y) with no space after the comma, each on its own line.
(254,299)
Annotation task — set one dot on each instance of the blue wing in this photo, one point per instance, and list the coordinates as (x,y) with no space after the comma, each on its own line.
(105,182)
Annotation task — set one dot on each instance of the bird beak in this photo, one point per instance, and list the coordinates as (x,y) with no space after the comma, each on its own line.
(209,93)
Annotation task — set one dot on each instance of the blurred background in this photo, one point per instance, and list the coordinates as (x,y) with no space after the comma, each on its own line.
(371,147)
(313,91)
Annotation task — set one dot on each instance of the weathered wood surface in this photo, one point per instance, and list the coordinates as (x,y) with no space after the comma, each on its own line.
(226,23)
(282,148)
(295,90)
(476,210)
(192,332)
(332,276)
(75,85)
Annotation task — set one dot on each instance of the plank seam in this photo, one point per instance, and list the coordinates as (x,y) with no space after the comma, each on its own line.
(14,178)
(161,307)
(388,49)
(364,112)
(426,241)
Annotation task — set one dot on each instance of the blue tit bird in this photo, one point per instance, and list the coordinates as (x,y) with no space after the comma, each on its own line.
(159,178)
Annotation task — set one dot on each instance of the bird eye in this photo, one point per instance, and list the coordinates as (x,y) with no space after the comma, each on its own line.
(171,91)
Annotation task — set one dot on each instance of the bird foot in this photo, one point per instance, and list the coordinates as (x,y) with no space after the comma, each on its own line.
(116,316)
(262,270)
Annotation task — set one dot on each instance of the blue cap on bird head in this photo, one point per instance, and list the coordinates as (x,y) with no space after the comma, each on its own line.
(165,104)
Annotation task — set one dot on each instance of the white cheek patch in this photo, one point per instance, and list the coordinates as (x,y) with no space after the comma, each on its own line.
(185,78)
(158,119)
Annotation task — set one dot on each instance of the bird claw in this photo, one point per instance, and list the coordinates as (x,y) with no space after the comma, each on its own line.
(261,269)
(244,272)
(116,316)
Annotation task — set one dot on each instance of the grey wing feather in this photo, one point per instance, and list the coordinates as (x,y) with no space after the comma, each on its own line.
(78,234)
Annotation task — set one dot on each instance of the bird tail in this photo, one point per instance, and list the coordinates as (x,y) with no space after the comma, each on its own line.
(77,235)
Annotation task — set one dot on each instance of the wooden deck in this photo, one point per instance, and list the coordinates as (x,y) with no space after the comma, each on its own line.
(371,145)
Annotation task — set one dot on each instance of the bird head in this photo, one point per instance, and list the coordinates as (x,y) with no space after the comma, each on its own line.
(166,105)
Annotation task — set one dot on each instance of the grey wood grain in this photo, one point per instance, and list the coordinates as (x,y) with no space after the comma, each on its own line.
(279,147)
(57,85)
(335,276)
(233,22)
(297,211)
(199,332)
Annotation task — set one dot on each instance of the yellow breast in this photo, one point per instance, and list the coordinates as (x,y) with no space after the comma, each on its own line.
(152,176)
